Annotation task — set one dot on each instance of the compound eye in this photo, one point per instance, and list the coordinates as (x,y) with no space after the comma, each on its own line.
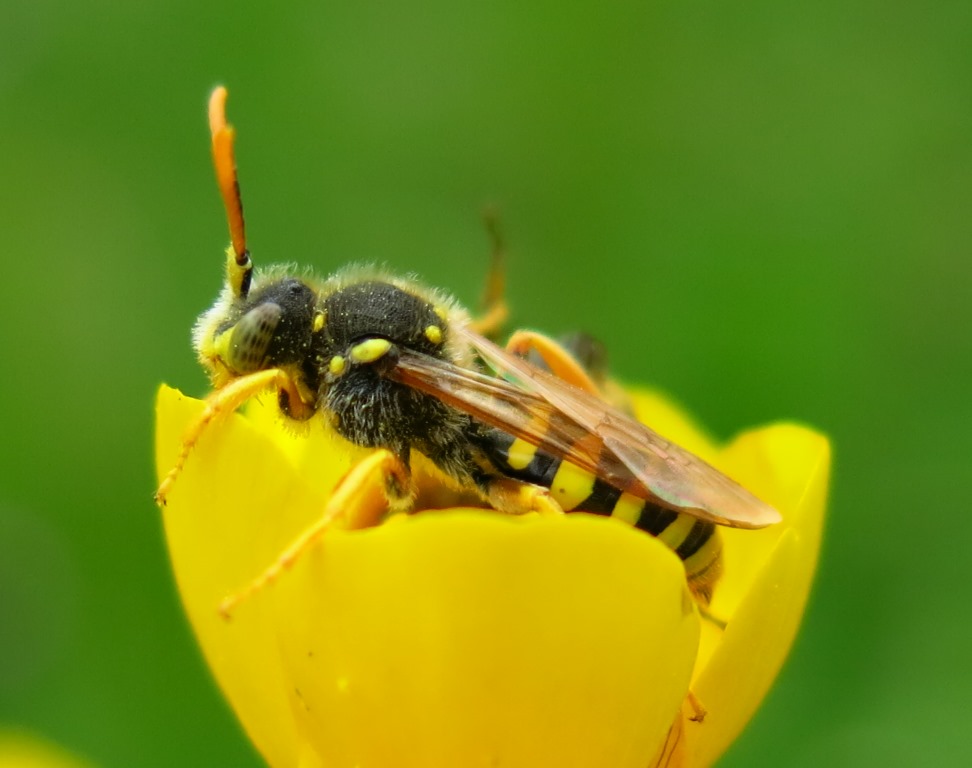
(243,347)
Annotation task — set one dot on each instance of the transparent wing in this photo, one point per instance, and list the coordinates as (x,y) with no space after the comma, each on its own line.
(573,425)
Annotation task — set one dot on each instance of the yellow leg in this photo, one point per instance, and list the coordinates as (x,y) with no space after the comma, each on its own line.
(494,306)
(514,497)
(223,401)
(560,362)
(359,501)
(707,615)
(698,711)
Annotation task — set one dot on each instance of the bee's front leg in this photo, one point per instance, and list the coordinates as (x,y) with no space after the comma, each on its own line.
(359,500)
(222,402)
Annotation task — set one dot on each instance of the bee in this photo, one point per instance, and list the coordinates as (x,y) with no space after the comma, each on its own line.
(403,369)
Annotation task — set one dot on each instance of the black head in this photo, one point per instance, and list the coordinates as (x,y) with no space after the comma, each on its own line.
(273,327)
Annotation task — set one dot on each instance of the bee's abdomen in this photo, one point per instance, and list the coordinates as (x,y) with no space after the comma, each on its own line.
(695,541)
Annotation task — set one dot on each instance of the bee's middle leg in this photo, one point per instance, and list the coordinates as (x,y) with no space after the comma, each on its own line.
(514,497)
(359,500)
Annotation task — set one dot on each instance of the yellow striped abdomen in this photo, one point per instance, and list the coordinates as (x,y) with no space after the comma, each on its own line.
(696,542)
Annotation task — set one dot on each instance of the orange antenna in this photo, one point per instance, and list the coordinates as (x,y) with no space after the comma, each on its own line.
(238,264)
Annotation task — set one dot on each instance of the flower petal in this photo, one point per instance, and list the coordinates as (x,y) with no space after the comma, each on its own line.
(235,507)
(451,639)
(19,749)
(767,581)
(475,639)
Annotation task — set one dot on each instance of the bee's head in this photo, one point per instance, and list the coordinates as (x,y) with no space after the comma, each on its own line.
(271,327)
(253,325)
(347,329)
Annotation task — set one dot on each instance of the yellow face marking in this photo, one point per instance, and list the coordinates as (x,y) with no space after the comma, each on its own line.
(336,366)
(628,508)
(370,350)
(319,320)
(520,454)
(434,334)
(571,485)
(675,533)
(221,346)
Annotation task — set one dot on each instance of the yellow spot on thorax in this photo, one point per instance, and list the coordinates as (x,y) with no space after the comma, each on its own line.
(336,366)
(319,319)
(370,350)
(520,454)
(571,485)
(434,334)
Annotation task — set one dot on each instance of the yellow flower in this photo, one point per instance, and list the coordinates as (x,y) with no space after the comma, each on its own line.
(466,638)
(20,749)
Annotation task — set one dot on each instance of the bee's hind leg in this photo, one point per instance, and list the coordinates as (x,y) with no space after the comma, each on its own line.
(698,710)
(555,356)
(359,500)
(494,308)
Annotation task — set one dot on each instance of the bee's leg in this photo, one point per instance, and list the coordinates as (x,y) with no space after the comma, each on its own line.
(514,497)
(561,363)
(702,582)
(359,500)
(223,401)
(698,711)
(493,302)
(707,615)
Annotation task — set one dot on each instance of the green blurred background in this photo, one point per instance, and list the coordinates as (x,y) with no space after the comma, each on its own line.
(762,208)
